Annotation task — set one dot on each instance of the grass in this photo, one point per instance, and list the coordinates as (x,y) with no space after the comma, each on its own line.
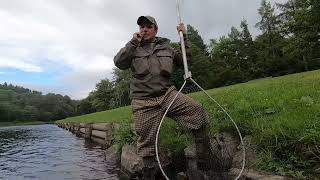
(282,114)
(119,115)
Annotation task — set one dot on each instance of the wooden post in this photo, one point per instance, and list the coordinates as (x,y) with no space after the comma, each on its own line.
(77,129)
(109,135)
(88,131)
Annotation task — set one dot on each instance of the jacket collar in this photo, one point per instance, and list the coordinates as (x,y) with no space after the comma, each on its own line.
(160,42)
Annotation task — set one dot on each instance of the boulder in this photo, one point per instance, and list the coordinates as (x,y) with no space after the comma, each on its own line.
(132,164)
(112,157)
(256,175)
(251,154)
(223,145)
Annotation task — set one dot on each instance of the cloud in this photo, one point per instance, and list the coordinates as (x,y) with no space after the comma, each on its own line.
(18,64)
(81,37)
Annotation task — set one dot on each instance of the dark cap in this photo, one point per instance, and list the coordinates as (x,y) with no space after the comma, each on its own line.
(142,19)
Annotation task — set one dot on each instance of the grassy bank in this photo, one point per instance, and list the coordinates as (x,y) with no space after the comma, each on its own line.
(282,114)
(17,123)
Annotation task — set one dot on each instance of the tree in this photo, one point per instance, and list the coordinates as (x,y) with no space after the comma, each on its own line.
(121,82)
(268,25)
(103,95)
(301,26)
(21,104)
(177,72)
(196,39)
(85,107)
(200,66)
(248,53)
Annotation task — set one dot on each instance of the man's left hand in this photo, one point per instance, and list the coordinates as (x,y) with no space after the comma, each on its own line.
(181,28)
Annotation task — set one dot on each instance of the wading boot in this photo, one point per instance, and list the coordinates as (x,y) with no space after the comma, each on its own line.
(148,169)
(203,149)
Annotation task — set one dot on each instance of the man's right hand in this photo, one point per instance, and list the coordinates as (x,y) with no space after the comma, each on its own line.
(138,36)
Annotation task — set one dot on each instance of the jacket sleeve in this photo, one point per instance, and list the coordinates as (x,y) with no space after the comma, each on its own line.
(178,60)
(124,57)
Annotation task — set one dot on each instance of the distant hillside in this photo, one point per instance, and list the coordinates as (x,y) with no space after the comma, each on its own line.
(17,89)
(19,104)
(282,114)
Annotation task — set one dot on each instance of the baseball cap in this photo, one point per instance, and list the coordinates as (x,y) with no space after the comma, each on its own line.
(151,19)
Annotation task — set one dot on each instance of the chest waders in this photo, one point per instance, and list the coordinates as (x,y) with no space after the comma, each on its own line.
(187,76)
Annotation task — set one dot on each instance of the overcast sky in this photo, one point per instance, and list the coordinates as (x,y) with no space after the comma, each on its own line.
(67,46)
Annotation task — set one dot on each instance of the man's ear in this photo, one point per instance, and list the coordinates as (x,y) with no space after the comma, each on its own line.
(156,30)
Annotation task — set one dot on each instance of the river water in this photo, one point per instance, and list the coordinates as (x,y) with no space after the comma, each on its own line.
(47,152)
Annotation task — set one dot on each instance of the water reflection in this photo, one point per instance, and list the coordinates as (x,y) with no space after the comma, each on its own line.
(48,152)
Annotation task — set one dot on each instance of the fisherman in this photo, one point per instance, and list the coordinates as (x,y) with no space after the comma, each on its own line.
(151,60)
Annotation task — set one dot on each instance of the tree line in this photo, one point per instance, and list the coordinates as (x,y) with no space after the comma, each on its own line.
(288,43)
(22,104)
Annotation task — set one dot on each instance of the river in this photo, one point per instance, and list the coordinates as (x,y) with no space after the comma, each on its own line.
(47,152)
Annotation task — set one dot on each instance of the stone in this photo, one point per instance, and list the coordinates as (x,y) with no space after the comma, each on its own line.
(182,176)
(224,147)
(132,164)
(251,154)
(113,156)
(256,175)
(130,161)
(191,157)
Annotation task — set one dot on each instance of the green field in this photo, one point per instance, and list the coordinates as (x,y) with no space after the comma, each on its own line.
(282,114)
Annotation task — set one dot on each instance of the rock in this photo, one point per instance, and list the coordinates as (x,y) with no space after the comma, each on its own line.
(191,157)
(223,145)
(255,175)
(182,176)
(131,163)
(251,154)
(113,154)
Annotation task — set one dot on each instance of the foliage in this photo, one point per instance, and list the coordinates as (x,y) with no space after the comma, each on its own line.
(125,135)
(300,24)
(18,104)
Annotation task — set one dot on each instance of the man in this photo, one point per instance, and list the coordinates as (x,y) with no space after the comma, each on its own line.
(151,60)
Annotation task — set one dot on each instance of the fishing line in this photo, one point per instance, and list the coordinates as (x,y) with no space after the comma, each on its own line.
(187,76)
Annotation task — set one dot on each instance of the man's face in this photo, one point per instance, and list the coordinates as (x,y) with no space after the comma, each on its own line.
(148,31)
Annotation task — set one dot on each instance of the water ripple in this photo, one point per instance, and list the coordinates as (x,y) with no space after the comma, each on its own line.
(48,152)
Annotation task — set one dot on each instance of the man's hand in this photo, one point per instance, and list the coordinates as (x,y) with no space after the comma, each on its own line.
(138,36)
(181,28)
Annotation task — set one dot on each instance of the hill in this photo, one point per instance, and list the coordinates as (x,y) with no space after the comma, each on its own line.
(21,105)
(281,113)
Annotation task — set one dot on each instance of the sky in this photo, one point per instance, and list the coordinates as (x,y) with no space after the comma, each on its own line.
(67,46)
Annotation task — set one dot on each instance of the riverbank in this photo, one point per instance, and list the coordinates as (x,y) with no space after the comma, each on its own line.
(178,166)
(282,115)
(17,123)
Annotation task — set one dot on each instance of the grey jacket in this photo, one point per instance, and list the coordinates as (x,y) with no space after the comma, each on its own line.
(151,66)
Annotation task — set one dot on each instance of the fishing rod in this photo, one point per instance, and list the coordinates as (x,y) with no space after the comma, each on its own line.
(187,76)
